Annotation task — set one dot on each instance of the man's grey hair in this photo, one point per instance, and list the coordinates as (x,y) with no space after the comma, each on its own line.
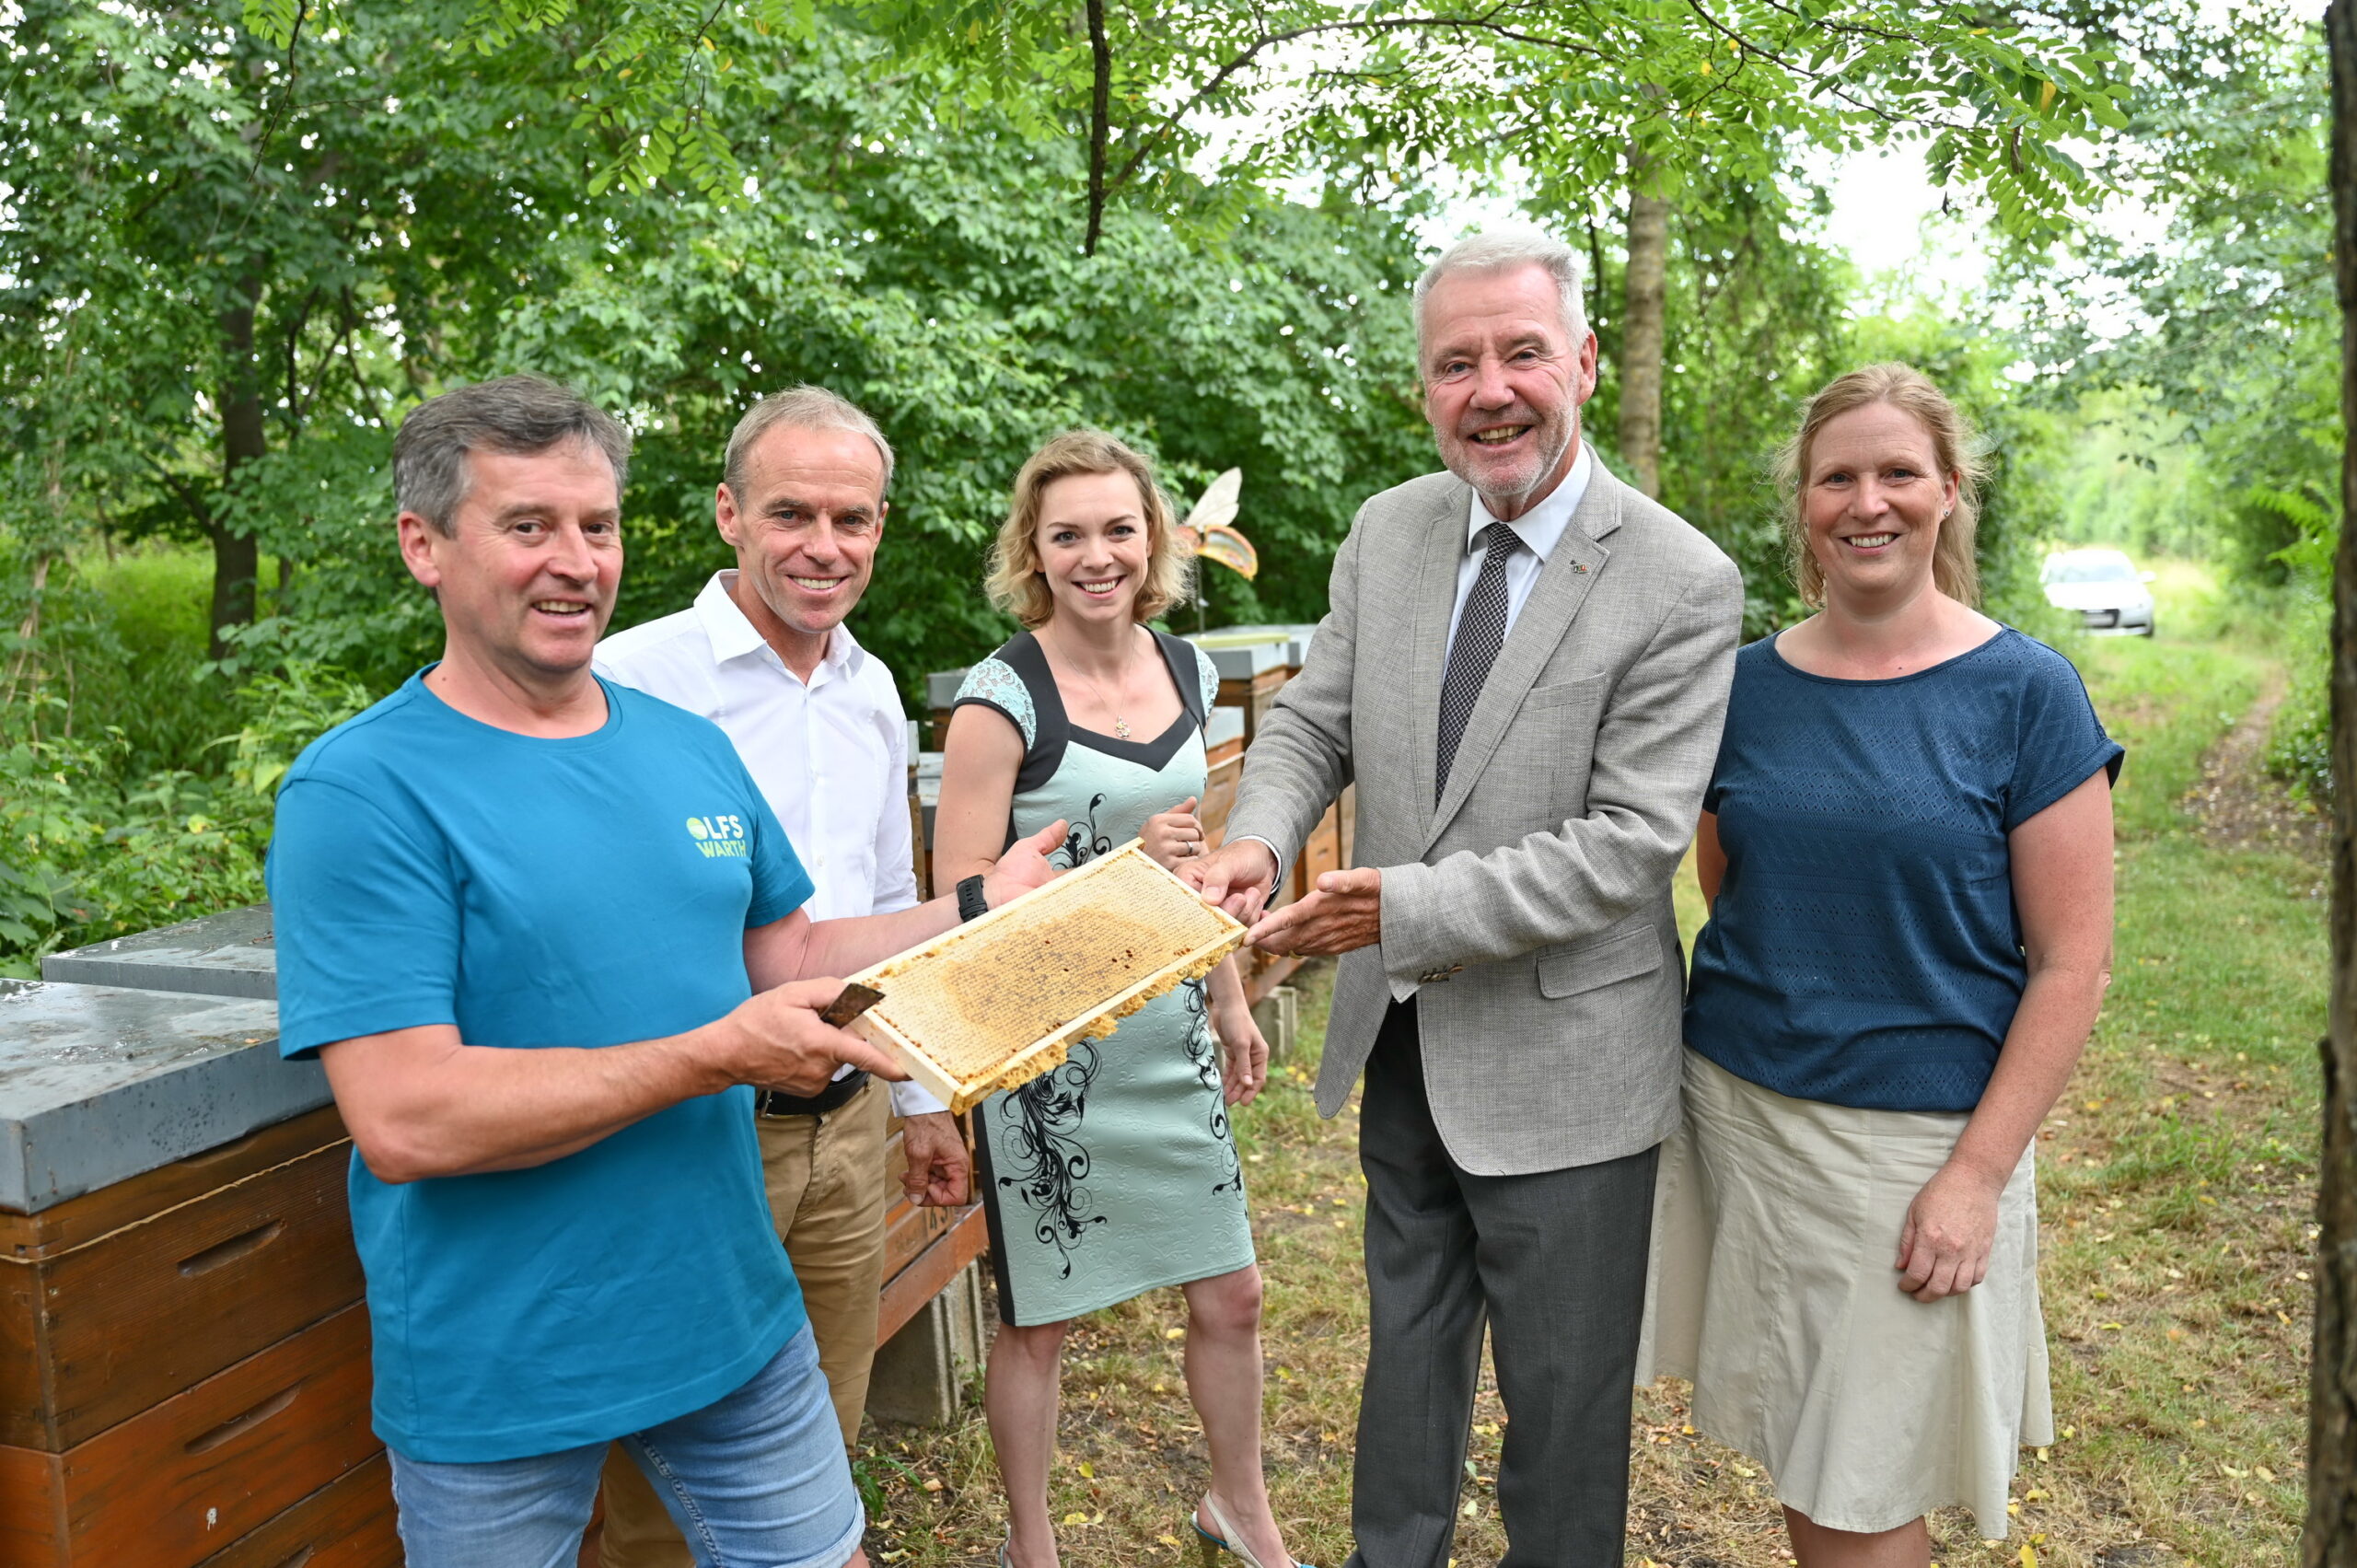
(1504,248)
(800,408)
(513,414)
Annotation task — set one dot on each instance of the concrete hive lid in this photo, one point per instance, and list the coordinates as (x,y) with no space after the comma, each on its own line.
(941,687)
(1240,656)
(98,1084)
(231,954)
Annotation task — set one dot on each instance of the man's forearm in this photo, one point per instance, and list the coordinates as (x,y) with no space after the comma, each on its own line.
(847,946)
(1547,889)
(420,1103)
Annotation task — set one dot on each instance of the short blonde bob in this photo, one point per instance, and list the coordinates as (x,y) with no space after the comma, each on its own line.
(1954,570)
(1015,580)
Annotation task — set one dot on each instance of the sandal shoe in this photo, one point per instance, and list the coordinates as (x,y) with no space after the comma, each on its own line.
(1230,1539)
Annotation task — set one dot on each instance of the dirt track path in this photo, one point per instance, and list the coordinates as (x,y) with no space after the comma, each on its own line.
(2240,806)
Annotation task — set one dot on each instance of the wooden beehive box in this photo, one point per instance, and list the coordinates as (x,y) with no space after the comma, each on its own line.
(998,1001)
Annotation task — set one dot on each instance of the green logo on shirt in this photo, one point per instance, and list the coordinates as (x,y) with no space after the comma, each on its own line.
(718,837)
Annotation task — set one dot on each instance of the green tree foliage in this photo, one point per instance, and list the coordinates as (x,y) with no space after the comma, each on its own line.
(224,255)
(2234,296)
(931,277)
(257,236)
(2228,387)
(1757,319)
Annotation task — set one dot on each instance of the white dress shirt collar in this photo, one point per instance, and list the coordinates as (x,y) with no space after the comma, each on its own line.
(733,635)
(1543,525)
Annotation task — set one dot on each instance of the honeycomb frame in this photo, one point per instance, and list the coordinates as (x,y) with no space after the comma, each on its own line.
(960,1090)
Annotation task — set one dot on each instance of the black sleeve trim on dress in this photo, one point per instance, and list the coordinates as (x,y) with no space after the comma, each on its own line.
(1186,673)
(1052,728)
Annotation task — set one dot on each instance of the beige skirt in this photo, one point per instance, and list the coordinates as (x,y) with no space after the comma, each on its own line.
(1776,1224)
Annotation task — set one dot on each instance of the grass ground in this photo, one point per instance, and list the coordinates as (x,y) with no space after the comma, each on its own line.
(2177,1184)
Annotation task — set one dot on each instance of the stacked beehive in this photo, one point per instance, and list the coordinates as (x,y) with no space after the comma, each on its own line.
(1254,664)
(184,1357)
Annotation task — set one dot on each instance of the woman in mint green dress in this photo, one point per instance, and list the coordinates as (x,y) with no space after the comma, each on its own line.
(1117,1173)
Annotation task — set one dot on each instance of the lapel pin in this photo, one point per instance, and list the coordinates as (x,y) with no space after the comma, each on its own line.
(1581,567)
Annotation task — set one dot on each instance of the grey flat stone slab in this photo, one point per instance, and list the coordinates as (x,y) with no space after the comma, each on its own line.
(222,955)
(100,1082)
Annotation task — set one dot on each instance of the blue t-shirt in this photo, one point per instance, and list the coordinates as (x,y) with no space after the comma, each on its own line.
(431,869)
(1863,949)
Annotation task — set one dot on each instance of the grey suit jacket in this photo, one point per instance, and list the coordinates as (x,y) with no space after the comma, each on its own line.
(1531,905)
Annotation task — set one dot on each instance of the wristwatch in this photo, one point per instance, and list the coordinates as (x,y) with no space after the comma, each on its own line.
(970,901)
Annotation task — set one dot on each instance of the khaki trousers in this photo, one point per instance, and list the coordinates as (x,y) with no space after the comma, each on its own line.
(826,1181)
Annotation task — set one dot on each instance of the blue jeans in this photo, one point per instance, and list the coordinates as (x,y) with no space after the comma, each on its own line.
(757,1478)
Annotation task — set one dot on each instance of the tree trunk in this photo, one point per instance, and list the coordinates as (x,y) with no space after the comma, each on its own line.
(236,561)
(2332,1536)
(1641,333)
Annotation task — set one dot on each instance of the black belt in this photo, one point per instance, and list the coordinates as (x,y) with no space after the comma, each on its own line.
(834,1097)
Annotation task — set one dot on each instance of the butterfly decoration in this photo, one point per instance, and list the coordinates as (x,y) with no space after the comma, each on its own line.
(1206,531)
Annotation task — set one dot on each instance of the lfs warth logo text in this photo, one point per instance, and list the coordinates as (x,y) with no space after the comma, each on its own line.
(719,837)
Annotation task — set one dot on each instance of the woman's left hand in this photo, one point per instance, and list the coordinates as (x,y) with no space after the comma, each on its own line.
(1944,1250)
(1244,1067)
(1175,836)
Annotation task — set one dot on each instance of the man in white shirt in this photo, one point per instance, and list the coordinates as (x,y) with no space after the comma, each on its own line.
(763,654)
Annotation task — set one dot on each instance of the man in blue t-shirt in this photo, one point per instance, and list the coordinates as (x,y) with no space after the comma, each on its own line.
(544,931)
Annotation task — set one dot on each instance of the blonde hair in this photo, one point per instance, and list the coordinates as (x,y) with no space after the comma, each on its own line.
(1954,570)
(1015,577)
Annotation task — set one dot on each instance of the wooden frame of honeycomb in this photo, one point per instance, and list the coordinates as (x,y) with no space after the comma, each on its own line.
(999,1001)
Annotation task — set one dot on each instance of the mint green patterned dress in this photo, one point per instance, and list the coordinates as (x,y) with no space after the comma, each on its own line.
(1116,1173)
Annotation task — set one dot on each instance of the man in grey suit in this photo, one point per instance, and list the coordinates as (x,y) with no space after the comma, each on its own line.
(1525,667)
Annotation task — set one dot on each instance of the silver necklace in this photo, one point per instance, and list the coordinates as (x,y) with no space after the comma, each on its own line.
(1121,724)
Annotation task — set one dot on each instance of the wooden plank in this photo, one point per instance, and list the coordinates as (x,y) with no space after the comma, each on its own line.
(1267,972)
(1322,853)
(1253,696)
(171,1485)
(93,1215)
(906,1293)
(1219,796)
(32,1512)
(28,1386)
(909,1230)
(919,850)
(348,1523)
(124,1322)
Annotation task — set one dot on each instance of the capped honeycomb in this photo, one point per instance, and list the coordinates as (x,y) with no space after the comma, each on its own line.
(997,1002)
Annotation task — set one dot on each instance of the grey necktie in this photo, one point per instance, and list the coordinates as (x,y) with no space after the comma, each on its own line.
(1481,632)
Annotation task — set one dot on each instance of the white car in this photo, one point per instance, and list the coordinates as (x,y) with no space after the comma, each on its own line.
(2103,586)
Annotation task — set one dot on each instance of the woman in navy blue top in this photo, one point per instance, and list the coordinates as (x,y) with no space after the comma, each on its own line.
(1907,847)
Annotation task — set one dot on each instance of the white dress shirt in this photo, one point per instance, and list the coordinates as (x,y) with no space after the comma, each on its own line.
(1539,528)
(830,755)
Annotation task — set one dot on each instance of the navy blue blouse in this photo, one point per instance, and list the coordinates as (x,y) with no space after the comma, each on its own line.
(1863,949)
